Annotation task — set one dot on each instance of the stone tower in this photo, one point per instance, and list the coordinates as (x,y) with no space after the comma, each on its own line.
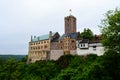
(70,24)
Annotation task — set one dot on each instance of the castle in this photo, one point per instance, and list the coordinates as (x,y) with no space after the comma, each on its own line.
(51,46)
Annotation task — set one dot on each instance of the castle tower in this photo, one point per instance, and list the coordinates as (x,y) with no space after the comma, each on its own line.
(70,24)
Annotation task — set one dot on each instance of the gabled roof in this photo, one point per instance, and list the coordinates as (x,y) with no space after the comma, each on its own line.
(42,37)
(56,37)
(84,41)
(71,35)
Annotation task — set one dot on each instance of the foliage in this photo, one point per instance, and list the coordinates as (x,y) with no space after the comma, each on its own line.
(64,61)
(111,63)
(110,29)
(67,67)
(87,34)
(16,57)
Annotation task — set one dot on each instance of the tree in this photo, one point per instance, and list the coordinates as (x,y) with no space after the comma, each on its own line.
(24,59)
(110,29)
(87,34)
(64,61)
(111,58)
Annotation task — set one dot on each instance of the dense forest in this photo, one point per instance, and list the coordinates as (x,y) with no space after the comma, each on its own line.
(16,57)
(67,67)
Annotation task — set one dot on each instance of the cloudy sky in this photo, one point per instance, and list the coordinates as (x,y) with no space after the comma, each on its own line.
(19,19)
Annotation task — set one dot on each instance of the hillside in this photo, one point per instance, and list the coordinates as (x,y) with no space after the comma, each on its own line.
(16,57)
(67,67)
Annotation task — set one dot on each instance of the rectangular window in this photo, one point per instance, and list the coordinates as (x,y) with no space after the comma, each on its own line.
(94,47)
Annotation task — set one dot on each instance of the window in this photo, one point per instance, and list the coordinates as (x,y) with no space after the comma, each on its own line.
(81,45)
(45,46)
(67,19)
(33,48)
(72,47)
(41,47)
(84,45)
(44,41)
(73,41)
(94,47)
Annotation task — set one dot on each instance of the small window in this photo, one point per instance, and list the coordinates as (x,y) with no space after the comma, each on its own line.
(94,47)
(84,45)
(67,19)
(73,41)
(81,45)
(45,46)
(73,20)
(73,47)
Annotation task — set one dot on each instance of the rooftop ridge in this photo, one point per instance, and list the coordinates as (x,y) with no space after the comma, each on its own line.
(42,37)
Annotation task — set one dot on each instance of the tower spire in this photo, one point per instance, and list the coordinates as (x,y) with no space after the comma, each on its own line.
(70,11)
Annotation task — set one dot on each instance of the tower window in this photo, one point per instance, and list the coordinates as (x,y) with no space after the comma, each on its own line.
(72,41)
(74,21)
(67,19)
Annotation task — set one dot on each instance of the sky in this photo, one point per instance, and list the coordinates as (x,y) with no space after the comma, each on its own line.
(19,19)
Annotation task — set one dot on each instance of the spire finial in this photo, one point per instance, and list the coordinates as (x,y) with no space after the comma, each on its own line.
(70,11)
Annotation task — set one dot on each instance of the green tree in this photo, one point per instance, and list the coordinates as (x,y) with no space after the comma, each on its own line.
(64,61)
(24,59)
(87,34)
(110,29)
(8,71)
(111,63)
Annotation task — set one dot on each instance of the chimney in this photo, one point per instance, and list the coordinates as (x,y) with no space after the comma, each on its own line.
(31,38)
(34,36)
(50,35)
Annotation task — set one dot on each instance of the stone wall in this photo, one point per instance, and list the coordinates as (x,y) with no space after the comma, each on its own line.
(55,54)
(73,52)
(54,46)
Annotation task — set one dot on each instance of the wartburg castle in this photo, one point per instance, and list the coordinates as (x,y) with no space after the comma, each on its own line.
(53,45)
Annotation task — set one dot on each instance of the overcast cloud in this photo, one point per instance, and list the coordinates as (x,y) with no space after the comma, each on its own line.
(19,19)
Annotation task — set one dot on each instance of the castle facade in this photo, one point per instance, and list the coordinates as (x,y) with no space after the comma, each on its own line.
(51,46)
